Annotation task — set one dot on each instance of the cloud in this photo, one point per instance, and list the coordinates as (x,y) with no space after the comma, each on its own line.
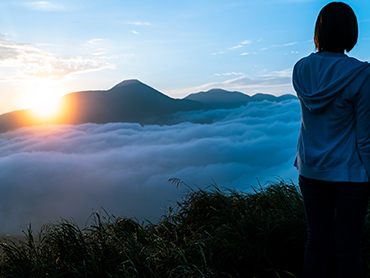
(95,41)
(68,171)
(285,44)
(228,73)
(289,44)
(43,6)
(235,47)
(31,61)
(246,42)
(134,32)
(240,45)
(287,73)
(218,53)
(138,23)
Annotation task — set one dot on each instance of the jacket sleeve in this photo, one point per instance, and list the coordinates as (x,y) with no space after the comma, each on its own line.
(362,110)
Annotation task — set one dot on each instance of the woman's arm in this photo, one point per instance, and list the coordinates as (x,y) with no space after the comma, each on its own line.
(362,110)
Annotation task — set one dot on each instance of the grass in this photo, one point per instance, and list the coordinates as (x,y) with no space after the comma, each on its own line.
(210,233)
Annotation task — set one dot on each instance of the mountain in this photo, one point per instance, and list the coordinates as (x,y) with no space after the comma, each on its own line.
(218,98)
(130,101)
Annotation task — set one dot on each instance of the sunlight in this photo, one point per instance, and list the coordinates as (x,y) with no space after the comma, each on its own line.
(45,104)
(43,97)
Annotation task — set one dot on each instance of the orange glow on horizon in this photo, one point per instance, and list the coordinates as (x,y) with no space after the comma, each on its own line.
(43,99)
(46,108)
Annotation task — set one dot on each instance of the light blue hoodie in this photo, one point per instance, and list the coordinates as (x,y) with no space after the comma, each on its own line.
(334,140)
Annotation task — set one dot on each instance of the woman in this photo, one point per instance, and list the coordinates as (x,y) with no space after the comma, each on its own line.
(333,153)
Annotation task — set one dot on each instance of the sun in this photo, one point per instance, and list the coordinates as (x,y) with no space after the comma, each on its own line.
(43,99)
(45,105)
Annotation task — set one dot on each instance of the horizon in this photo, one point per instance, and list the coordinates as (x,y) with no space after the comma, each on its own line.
(50,109)
(64,46)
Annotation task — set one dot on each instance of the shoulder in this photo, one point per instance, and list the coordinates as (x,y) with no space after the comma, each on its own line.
(304,59)
(364,78)
(361,83)
(355,61)
(301,63)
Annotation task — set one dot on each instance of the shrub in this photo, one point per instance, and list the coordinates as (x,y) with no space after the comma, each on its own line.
(210,233)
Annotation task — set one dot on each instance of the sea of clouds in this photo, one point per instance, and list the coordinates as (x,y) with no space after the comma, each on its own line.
(69,171)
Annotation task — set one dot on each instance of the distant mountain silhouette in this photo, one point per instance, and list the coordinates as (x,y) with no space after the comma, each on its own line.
(130,101)
(219,98)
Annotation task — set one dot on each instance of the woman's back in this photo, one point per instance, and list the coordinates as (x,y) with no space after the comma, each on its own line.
(334,91)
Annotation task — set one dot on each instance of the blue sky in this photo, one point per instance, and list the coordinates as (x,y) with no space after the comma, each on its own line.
(177,47)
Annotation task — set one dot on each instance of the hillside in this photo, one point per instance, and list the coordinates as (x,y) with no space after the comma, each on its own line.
(209,233)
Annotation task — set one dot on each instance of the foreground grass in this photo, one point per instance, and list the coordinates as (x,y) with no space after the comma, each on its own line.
(210,233)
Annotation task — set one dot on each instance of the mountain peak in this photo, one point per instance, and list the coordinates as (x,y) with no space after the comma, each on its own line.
(219,97)
(129,82)
(219,90)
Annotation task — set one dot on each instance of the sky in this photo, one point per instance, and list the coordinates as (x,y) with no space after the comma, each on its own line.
(69,171)
(178,47)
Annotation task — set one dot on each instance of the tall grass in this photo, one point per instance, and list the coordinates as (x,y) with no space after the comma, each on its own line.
(209,233)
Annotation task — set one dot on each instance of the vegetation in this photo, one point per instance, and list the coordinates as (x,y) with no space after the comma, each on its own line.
(210,233)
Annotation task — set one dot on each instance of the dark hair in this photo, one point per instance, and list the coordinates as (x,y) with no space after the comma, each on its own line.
(336,28)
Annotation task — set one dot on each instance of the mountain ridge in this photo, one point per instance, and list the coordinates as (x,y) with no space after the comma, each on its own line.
(131,101)
(221,99)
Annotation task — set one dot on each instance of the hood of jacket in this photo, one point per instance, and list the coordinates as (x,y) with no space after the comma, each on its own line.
(320,77)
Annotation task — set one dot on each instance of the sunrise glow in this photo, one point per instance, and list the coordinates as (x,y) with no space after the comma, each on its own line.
(43,98)
(46,107)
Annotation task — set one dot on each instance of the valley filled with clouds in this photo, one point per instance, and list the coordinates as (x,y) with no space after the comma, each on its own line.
(69,171)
